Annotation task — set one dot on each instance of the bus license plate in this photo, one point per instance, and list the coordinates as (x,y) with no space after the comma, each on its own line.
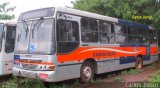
(28,74)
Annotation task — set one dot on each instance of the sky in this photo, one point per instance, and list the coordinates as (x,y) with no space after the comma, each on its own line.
(26,5)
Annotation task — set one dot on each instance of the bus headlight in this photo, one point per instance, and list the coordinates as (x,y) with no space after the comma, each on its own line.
(44,67)
(51,67)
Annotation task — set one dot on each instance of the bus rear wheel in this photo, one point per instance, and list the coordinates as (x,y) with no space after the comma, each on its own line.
(139,62)
(86,72)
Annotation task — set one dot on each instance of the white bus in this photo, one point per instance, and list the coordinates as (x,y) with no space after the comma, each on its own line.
(7,41)
(55,44)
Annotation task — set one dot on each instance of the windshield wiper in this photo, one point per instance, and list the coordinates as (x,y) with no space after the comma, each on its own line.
(26,26)
(19,35)
(34,26)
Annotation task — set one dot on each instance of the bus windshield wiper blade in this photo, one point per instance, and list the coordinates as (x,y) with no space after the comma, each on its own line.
(34,26)
(19,35)
(26,26)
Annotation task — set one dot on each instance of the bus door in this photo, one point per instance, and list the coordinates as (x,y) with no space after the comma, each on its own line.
(67,41)
(9,43)
(67,33)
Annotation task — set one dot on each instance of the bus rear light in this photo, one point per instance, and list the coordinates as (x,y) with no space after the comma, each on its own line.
(51,67)
(43,75)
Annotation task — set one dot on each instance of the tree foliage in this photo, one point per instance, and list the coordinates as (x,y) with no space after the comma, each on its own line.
(5,10)
(124,9)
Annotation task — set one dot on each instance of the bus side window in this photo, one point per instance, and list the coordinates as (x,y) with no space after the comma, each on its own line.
(120,34)
(142,33)
(10,39)
(153,36)
(67,35)
(105,31)
(133,36)
(89,30)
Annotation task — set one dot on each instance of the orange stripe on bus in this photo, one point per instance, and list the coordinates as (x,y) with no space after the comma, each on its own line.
(83,53)
(153,50)
(41,63)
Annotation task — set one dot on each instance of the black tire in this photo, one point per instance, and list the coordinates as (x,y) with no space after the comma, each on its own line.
(139,63)
(86,72)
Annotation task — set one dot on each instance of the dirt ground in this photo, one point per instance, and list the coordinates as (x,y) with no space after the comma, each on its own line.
(144,75)
(123,80)
(118,80)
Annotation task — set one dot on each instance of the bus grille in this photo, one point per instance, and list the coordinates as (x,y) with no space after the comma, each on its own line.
(29,66)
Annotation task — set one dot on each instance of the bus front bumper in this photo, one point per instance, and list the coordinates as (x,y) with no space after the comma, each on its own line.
(48,76)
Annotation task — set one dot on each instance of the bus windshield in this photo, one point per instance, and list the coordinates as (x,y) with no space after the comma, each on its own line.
(34,36)
(1,37)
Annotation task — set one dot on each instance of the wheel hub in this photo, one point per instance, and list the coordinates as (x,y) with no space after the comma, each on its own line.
(87,72)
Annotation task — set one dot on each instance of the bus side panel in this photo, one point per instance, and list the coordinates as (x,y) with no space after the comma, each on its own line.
(108,58)
(1,68)
(67,71)
(8,63)
(7,67)
(118,64)
(107,66)
(153,53)
(154,50)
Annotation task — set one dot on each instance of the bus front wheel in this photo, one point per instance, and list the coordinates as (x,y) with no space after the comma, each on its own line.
(139,62)
(86,72)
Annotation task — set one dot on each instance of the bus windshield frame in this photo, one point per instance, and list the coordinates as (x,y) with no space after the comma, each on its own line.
(35,36)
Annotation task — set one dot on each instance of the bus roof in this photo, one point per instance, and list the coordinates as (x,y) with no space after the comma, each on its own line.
(96,16)
(132,24)
(85,13)
(11,22)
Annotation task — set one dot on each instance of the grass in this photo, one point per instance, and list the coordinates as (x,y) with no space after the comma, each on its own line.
(131,72)
(97,81)
(117,79)
(154,80)
(151,65)
(125,72)
(16,82)
(109,76)
(155,77)
(22,83)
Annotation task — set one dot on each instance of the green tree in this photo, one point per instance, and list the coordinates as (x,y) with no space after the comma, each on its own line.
(124,9)
(4,11)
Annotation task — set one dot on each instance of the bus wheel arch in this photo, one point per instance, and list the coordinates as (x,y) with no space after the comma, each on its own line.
(139,62)
(89,67)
